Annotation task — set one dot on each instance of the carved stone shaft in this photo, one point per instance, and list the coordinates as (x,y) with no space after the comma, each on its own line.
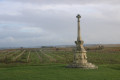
(79,35)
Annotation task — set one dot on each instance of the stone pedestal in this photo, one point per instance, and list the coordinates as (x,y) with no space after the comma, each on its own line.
(80,57)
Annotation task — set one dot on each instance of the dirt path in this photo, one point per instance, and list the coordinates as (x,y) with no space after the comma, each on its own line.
(28,56)
(11,54)
(14,59)
(39,56)
(57,56)
(49,57)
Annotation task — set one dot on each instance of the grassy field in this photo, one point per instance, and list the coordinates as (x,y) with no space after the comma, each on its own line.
(59,72)
(46,64)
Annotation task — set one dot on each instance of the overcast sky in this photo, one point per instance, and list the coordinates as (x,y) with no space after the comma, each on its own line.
(30,23)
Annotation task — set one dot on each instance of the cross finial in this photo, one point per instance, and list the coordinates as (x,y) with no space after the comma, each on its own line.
(78,16)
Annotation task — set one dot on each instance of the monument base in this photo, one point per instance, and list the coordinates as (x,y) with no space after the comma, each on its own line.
(84,66)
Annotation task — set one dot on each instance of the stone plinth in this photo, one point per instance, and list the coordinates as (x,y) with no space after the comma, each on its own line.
(80,58)
(81,65)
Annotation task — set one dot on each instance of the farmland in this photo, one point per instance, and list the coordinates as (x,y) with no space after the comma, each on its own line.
(49,64)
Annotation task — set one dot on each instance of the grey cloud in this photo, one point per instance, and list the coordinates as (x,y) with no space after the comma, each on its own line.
(69,1)
(98,25)
(59,22)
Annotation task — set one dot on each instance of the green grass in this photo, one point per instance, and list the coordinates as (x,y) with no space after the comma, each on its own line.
(108,61)
(59,72)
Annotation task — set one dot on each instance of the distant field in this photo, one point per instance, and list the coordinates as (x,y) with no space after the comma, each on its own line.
(58,55)
(49,64)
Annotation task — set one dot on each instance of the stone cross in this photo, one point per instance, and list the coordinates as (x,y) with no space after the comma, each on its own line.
(80,57)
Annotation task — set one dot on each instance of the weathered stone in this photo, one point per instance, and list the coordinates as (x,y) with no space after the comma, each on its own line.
(80,57)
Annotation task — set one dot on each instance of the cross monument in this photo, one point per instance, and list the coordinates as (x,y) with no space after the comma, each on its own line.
(80,57)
